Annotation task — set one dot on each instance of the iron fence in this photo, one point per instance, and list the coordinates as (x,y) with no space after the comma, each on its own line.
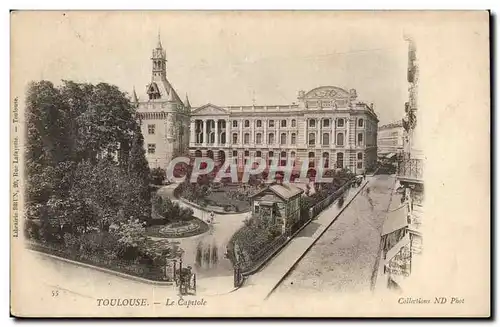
(411,168)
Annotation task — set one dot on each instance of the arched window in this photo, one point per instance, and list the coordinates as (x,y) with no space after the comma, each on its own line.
(283,154)
(246,138)
(340,160)
(293,139)
(258,154)
(311,154)
(283,139)
(326,138)
(271,138)
(198,154)
(294,123)
(340,139)
(247,123)
(292,154)
(235,123)
(235,138)
(258,138)
(326,160)
(312,138)
(259,123)
(283,123)
(210,154)
(360,122)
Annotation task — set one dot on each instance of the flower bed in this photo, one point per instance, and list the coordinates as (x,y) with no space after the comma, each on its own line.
(178,229)
(221,199)
(134,268)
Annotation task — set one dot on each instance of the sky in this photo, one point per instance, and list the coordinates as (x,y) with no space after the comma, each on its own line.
(223,58)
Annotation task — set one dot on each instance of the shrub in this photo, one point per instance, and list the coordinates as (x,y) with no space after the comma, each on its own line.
(157,176)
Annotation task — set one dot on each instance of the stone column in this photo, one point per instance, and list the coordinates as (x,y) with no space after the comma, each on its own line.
(318,132)
(240,125)
(252,135)
(204,132)
(229,137)
(334,129)
(192,136)
(264,138)
(306,137)
(332,133)
(216,143)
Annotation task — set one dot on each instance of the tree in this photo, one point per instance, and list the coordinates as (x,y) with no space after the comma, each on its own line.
(138,169)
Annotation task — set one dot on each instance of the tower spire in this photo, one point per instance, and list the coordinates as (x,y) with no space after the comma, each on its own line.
(186,103)
(159,40)
(134,96)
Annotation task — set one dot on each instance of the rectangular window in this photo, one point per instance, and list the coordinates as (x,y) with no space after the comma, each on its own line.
(326,123)
(360,138)
(360,165)
(340,122)
(151,148)
(151,129)
(235,123)
(235,153)
(271,123)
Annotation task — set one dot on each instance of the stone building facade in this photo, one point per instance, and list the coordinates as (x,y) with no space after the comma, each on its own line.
(390,138)
(164,118)
(327,122)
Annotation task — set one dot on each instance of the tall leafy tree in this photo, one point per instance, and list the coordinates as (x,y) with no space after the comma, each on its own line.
(71,179)
(138,169)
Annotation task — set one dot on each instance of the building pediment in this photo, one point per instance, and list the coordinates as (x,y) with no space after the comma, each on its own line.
(209,109)
(327,92)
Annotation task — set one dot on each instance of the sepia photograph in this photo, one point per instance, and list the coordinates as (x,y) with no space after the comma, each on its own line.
(250,164)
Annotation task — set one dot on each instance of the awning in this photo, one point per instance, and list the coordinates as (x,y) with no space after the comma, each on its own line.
(266,203)
(396,248)
(395,220)
(390,155)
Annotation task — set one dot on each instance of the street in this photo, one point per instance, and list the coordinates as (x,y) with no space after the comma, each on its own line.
(344,257)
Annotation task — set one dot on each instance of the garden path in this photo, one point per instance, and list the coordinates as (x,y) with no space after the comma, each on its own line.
(206,252)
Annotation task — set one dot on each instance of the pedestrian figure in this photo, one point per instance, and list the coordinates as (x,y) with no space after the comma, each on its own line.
(212,215)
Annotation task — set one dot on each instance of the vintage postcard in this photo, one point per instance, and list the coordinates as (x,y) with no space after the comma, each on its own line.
(250,164)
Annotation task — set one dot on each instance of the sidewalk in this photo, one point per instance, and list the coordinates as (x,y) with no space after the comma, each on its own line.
(381,278)
(263,283)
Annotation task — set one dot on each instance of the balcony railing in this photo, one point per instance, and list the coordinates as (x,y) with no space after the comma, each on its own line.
(411,169)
